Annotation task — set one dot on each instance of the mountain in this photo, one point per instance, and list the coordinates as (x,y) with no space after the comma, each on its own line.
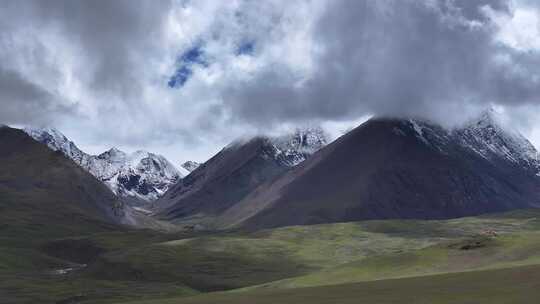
(188,167)
(491,139)
(139,178)
(234,172)
(58,142)
(395,168)
(139,175)
(41,190)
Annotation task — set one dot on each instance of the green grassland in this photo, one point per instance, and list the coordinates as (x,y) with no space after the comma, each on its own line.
(379,261)
(501,286)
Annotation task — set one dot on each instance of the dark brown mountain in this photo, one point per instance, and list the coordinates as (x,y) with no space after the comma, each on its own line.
(221,182)
(41,189)
(234,172)
(390,168)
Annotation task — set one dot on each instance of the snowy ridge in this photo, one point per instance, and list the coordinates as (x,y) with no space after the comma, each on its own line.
(140,175)
(292,149)
(56,141)
(489,137)
(289,149)
(419,130)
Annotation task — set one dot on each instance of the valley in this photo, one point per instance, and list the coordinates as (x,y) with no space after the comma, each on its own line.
(291,263)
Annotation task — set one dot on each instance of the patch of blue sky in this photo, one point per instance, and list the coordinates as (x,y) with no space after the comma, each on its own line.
(246,48)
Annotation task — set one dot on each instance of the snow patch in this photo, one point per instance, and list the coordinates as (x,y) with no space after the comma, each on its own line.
(489,137)
(292,149)
(419,131)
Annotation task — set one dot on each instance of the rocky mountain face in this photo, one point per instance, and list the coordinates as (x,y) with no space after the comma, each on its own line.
(234,172)
(294,148)
(396,168)
(139,178)
(141,175)
(492,140)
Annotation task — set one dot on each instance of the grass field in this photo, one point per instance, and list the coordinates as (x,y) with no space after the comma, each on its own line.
(379,261)
(514,285)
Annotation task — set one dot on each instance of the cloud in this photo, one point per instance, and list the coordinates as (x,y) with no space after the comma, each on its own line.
(21,98)
(190,76)
(427,58)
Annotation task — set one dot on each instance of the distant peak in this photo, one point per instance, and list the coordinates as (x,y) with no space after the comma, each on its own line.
(487,117)
(112,153)
(190,165)
(114,150)
(309,129)
(44,130)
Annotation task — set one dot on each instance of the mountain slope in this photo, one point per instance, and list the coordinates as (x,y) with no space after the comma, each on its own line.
(139,178)
(390,168)
(491,139)
(42,189)
(235,171)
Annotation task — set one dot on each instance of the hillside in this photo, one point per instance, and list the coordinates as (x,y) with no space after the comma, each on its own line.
(110,264)
(482,287)
(234,172)
(44,187)
(393,168)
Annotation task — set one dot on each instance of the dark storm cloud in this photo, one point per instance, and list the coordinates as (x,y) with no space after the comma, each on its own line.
(112,34)
(114,72)
(395,57)
(22,101)
(109,40)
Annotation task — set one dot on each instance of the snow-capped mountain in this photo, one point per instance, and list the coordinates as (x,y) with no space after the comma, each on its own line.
(56,141)
(489,137)
(140,177)
(140,174)
(235,171)
(395,168)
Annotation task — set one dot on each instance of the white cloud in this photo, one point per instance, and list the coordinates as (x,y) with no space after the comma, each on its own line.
(520,30)
(104,66)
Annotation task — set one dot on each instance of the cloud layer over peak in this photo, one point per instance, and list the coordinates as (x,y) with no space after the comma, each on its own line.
(189,76)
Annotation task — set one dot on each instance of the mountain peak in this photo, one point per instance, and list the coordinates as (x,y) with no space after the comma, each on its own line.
(487,118)
(113,154)
(140,175)
(489,136)
(46,132)
(294,148)
(115,150)
(236,170)
(190,165)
